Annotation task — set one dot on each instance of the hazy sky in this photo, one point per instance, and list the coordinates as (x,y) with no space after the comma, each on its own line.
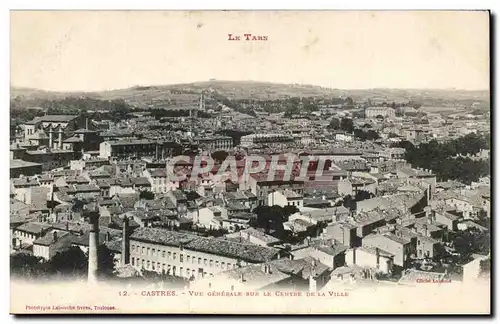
(84,51)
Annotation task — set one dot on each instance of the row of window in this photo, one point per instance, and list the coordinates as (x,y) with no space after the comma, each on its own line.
(167,268)
(182,257)
(26,235)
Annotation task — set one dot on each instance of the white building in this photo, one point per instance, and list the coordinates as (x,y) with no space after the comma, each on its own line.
(285,198)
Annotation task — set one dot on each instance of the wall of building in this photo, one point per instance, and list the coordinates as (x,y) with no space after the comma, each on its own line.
(180,262)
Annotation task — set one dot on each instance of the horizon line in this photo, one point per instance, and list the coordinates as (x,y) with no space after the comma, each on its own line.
(248,81)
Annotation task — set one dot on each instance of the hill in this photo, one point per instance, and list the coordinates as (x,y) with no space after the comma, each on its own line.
(175,95)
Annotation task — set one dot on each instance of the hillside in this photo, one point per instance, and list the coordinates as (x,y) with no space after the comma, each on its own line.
(170,96)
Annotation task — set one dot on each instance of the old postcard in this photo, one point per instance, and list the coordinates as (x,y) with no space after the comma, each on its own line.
(250,162)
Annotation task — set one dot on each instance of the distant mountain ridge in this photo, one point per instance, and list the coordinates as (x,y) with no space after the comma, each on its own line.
(234,90)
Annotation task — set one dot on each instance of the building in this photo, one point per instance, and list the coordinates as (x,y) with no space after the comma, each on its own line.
(20,167)
(385,112)
(370,257)
(215,143)
(137,148)
(51,159)
(284,198)
(262,139)
(397,246)
(56,127)
(187,255)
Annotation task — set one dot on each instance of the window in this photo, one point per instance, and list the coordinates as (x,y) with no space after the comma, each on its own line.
(152,265)
(169,255)
(228,266)
(133,248)
(149,251)
(216,264)
(143,263)
(163,254)
(418,242)
(180,272)
(133,263)
(149,264)
(181,257)
(187,258)
(143,250)
(175,256)
(158,266)
(211,263)
(222,264)
(205,261)
(199,260)
(153,252)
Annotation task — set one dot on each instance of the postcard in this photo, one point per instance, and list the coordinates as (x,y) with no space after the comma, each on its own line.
(250,162)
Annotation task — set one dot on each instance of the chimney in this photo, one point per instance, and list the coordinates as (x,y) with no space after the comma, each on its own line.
(54,235)
(125,242)
(60,139)
(93,246)
(51,140)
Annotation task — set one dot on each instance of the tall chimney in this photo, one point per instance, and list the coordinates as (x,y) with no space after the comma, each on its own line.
(125,242)
(93,245)
(60,139)
(51,140)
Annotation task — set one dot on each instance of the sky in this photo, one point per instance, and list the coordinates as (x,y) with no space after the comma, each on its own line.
(105,50)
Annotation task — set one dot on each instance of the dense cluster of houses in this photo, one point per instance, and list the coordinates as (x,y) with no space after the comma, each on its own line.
(206,229)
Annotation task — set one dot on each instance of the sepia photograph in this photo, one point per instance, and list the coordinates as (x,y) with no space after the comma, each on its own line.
(250,162)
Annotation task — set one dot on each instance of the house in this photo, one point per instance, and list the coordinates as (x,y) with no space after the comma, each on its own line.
(370,257)
(447,219)
(254,236)
(344,233)
(285,198)
(331,254)
(278,276)
(427,247)
(26,234)
(392,244)
(52,243)
(210,217)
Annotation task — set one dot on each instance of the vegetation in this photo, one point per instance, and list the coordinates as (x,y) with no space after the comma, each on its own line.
(147,195)
(69,264)
(442,158)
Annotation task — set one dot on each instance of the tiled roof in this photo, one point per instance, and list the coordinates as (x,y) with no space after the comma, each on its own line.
(251,253)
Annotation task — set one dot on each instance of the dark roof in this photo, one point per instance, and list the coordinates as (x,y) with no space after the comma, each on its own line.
(33,228)
(251,253)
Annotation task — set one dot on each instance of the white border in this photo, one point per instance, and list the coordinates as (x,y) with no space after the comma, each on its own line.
(212,5)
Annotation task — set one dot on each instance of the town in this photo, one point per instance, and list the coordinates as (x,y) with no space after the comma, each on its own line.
(379,190)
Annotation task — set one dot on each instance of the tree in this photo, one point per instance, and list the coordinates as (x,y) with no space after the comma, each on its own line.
(106,261)
(24,265)
(147,195)
(289,210)
(71,262)
(220,155)
(334,123)
(347,125)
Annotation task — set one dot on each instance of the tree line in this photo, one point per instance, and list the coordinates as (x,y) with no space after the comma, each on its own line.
(442,158)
